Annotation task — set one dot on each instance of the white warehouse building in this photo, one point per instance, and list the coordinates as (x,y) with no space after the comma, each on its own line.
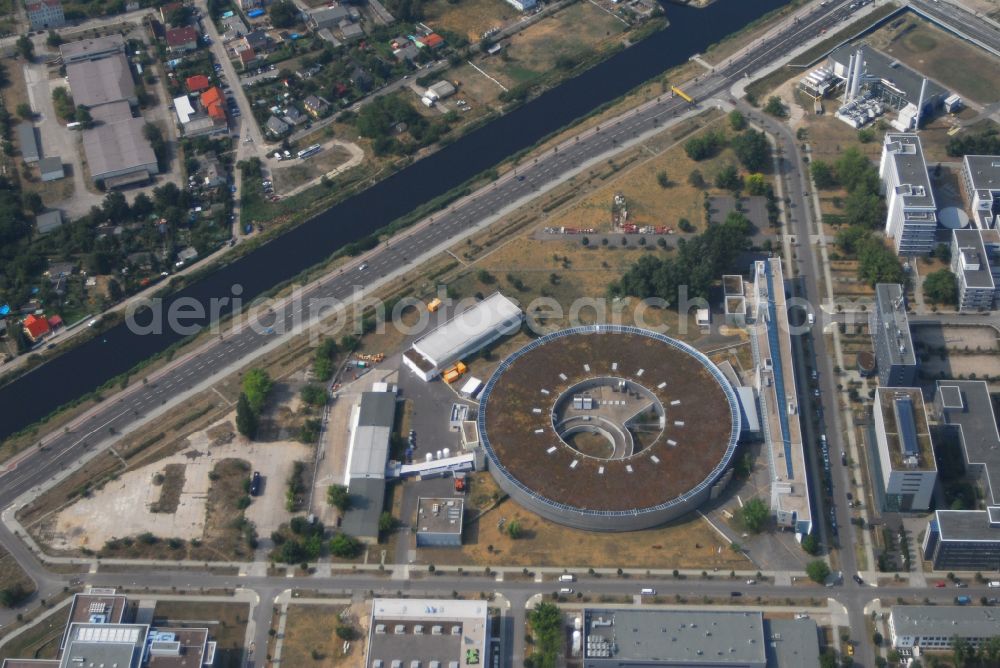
(466,333)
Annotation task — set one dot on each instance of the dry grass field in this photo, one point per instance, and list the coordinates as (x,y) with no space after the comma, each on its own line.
(41,641)
(574,33)
(688,543)
(470,18)
(311,639)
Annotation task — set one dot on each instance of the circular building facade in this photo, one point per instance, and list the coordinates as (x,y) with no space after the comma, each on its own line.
(608,427)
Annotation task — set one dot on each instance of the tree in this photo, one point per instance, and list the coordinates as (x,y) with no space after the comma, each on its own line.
(283,14)
(32,202)
(256,386)
(822,174)
(13,595)
(755,184)
(818,571)
(246,418)
(704,146)
(24,111)
(696,179)
(337,496)
(663,179)
(737,121)
(878,264)
(344,546)
(386,522)
(850,237)
(752,149)
(63,103)
(314,395)
(941,287)
(179,16)
(514,529)
(546,626)
(53,39)
(775,107)
(25,47)
(962,651)
(754,514)
(943,252)
(810,544)
(728,178)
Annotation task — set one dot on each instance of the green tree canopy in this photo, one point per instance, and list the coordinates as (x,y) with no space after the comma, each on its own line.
(822,174)
(941,287)
(256,386)
(737,121)
(754,514)
(753,150)
(283,14)
(344,546)
(818,571)
(246,418)
(547,628)
(337,496)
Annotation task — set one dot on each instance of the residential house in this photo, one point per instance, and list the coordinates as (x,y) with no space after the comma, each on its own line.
(315,106)
(432,41)
(28,140)
(325,35)
(181,40)
(351,31)
(248,58)
(36,327)
(294,117)
(276,126)
(45,14)
(258,41)
(214,174)
(328,17)
(233,27)
(197,83)
(404,49)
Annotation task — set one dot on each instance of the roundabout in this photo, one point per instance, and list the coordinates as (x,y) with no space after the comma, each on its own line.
(608,428)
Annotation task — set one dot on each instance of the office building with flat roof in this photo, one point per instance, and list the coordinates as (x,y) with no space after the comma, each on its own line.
(774,381)
(439,522)
(914,629)
(443,633)
(975,270)
(614,637)
(968,539)
(101,633)
(905,450)
(890,332)
(468,332)
(911,221)
(981,183)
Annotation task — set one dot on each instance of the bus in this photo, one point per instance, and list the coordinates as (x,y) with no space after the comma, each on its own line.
(312,150)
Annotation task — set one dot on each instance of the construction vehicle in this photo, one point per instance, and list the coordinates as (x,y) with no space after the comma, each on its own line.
(681,94)
(433,305)
(453,373)
(459,482)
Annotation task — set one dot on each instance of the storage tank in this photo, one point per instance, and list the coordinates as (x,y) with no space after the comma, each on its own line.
(577,642)
(429,457)
(447,453)
(438,455)
(578,623)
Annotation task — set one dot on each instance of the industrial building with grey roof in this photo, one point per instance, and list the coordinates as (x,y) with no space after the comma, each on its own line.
(933,627)
(404,633)
(371,429)
(656,637)
(116,149)
(96,82)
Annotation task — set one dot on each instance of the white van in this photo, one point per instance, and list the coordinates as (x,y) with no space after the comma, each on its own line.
(565,590)
(567,578)
(994,583)
(647,591)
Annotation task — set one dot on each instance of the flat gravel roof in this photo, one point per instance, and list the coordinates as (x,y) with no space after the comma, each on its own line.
(701,425)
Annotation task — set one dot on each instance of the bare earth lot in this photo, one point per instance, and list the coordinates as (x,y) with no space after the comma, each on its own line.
(122,507)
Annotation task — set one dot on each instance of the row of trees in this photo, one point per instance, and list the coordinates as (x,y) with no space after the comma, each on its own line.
(256,386)
(698,262)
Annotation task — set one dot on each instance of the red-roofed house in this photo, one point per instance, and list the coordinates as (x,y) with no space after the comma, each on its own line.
(55,322)
(432,41)
(197,83)
(248,58)
(36,327)
(214,103)
(182,39)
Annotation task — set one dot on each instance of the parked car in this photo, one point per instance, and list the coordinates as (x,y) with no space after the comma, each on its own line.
(255,483)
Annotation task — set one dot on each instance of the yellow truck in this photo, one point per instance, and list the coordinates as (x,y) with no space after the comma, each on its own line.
(433,305)
(453,373)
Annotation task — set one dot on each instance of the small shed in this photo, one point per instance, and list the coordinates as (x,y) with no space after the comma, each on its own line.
(48,221)
(51,168)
